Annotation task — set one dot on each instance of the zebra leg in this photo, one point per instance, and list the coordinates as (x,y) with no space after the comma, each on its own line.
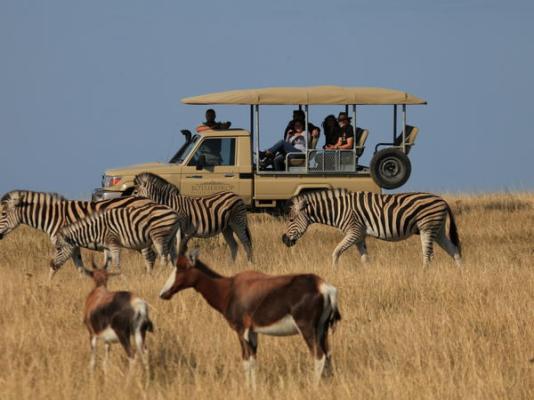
(243,233)
(427,243)
(229,237)
(77,259)
(165,248)
(150,258)
(443,241)
(362,248)
(350,239)
(173,245)
(116,257)
(160,250)
(107,258)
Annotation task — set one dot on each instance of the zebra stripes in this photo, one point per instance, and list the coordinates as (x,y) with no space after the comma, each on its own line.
(134,228)
(210,215)
(49,212)
(390,217)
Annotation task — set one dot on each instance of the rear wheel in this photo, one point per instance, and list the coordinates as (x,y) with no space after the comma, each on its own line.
(390,168)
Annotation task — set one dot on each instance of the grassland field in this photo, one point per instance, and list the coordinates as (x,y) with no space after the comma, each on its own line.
(407,332)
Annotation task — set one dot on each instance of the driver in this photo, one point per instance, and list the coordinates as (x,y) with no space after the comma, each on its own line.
(211,150)
(210,122)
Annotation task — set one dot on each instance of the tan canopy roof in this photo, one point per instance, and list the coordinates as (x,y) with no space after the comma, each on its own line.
(308,95)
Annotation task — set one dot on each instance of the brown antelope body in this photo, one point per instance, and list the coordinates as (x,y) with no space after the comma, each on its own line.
(115,317)
(253,303)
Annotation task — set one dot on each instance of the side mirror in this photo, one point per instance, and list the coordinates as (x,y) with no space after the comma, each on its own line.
(201,162)
(187,135)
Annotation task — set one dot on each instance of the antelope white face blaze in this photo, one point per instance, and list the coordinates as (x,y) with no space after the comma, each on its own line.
(283,327)
(169,283)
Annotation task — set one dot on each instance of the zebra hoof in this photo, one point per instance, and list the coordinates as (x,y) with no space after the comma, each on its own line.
(51,273)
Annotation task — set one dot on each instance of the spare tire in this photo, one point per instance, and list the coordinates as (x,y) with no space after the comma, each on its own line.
(390,168)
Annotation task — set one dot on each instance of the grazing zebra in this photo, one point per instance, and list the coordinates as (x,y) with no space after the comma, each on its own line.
(390,217)
(210,215)
(49,212)
(134,228)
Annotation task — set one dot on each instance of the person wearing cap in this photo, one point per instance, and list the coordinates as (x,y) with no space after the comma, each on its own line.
(346,134)
(210,122)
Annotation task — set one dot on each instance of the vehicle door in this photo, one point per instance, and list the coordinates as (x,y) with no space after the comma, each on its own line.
(212,168)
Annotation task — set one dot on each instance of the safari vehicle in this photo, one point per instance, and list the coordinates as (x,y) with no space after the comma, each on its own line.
(236,164)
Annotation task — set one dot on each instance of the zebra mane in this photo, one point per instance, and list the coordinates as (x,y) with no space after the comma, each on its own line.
(155,180)
(85,220)
(315,194)
(28,195)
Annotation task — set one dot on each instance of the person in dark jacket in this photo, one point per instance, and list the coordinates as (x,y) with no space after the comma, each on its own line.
(331,131)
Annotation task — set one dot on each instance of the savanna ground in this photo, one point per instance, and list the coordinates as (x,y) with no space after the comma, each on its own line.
(406,333)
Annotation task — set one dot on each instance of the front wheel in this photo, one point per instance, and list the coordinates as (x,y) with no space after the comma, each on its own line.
(390,168)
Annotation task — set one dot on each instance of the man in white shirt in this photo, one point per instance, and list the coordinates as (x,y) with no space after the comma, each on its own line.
(295,143)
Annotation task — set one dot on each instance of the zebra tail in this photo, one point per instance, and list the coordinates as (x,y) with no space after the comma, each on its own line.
(453,231)
(249,236)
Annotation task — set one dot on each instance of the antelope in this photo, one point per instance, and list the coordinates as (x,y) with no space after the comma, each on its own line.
(115,317)
(253,303)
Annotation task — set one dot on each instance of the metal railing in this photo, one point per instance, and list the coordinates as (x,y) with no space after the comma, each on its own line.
(318,161)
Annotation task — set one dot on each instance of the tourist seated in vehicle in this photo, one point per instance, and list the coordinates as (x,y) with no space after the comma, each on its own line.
(345,140)
(298,115)
(331,131)
(210,122)
(295,143)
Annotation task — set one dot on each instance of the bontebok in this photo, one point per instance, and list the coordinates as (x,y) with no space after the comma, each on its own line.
(253,302)
(115,317)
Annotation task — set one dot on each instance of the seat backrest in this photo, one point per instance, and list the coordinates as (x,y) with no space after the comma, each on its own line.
(360,145)
(411,135)
(312,144)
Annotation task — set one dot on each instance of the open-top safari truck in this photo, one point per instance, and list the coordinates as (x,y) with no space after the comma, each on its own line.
(197,171)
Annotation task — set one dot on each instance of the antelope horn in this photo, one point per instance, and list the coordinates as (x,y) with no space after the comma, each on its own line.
(96,266)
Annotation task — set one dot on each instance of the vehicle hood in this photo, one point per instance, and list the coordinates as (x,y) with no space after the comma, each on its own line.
(135,169)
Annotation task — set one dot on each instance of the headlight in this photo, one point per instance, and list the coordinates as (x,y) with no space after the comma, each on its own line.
(108,181)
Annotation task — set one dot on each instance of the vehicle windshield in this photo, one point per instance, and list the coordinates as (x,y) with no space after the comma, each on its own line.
(183,151)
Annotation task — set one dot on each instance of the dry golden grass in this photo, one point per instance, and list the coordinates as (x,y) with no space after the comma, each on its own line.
(406,332)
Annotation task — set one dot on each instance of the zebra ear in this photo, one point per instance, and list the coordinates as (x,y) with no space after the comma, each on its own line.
(287,206)
(303,204)
(14,200)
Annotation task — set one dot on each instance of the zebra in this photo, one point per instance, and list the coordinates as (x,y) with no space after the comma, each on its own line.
(49,212)
(390,217)
(210,215)
(134,228)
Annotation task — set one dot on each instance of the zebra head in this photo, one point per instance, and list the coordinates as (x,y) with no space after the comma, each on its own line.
(297,223)
(154,187)
(9,215)
(63,251)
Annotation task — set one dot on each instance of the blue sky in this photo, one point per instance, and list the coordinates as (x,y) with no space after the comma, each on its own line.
(85,86)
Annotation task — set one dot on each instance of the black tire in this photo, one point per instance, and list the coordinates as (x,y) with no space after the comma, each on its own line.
(390,168)
(128,192)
